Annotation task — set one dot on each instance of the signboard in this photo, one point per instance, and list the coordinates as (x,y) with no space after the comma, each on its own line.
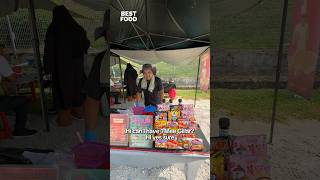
(28,173)
(304,47)
(250,145)
(205,70)
(248,167)
(119,124)
(138,125)
(245,157)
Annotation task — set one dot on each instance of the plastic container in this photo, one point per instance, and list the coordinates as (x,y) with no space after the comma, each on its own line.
(91,155)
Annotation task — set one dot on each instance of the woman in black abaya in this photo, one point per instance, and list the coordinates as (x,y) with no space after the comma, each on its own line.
(65,46)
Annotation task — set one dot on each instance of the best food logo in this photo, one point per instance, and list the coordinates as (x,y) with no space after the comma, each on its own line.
(128,16)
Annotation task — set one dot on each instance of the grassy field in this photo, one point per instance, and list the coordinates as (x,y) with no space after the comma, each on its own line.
(235,25)
(257,104)
(189,94)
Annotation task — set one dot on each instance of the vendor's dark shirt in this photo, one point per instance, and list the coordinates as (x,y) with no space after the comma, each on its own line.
(151,98)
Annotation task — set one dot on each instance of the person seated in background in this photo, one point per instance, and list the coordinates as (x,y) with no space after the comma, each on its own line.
(18,104)
(114,92)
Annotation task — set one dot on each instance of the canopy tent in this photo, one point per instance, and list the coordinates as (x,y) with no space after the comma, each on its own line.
(175,57)
(180,35)
(175,32)
(161,25)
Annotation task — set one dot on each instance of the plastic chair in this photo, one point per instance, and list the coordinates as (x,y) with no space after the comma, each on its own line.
(5,131)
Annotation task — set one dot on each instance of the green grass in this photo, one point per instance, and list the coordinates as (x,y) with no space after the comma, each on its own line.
(165,70)
(257,105)
(256,28)
(189,94)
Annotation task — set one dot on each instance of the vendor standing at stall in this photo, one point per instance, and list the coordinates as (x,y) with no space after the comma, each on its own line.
(150,86)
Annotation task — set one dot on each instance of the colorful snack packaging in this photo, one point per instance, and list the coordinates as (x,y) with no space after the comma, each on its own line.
(193,125)
(196,144)
(163,107)
(160,120)
(173,143)
(161,143)
(193,144)
(183,123)
(187,110)
(172,125)
(175,108)
(161,115)
(173,115)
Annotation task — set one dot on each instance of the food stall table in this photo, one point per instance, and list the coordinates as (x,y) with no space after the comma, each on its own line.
(153,158)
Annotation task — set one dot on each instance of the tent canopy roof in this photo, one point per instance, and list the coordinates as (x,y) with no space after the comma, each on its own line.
(161,25)
(174,57)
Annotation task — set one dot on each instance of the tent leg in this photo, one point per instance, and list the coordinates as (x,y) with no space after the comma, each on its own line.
(39,64)
(195,94)
(280,52)
(122,88)
(12,37)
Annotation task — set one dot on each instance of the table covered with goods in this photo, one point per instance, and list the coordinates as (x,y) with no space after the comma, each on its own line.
(149,137)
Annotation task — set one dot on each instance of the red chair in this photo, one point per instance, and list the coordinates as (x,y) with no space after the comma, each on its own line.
(5,131)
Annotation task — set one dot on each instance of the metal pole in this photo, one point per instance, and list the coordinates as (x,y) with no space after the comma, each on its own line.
(122,88)
(12,37)
(32,17)
(278,71)
(195,95)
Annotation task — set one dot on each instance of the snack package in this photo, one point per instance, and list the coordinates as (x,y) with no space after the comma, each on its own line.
(187,111)
(193,144)
(160,120)
(163,107)
(193,125)
(173,115)
(190,135)
(161,115)
(192,119)
(172,125)
(160,143)
(173,143)
(183,123)
(196,144)
(176,108)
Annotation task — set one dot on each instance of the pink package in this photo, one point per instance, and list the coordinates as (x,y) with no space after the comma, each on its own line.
(91,155)
(138,110)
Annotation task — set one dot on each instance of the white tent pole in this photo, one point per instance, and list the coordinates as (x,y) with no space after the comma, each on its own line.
(32,17)
(12,36)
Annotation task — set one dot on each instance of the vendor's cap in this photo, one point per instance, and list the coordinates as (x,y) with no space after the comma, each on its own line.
(145,67)
(101,31)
